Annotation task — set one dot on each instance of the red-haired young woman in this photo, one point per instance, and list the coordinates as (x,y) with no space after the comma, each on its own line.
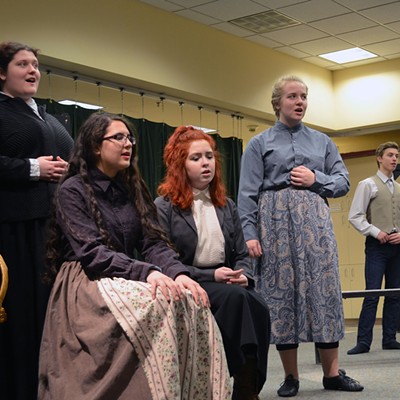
(204,226)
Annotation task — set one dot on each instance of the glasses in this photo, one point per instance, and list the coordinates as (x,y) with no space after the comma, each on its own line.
(121,138)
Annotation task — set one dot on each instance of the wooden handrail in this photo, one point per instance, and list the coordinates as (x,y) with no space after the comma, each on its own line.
(3,289)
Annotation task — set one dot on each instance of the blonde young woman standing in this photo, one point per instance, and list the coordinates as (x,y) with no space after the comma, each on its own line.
(287,173)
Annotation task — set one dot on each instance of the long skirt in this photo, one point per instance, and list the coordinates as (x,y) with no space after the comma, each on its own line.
(22,245)
(243,320)
(108,339)
(298,272)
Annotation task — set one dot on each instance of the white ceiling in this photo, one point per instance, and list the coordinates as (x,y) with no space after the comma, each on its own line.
(324,25)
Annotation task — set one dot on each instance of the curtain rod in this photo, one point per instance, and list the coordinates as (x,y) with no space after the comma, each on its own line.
(148,93)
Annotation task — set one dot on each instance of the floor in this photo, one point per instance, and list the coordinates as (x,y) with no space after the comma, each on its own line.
(378,371)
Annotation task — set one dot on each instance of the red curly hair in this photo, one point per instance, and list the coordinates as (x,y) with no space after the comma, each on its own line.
(176,185)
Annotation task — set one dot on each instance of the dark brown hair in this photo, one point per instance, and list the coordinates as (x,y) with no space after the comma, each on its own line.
(7,52)
(84,159)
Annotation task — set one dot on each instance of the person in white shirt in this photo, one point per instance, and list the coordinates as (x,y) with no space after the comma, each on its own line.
(375,212)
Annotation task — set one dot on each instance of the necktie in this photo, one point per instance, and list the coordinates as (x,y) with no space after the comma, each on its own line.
(389,182)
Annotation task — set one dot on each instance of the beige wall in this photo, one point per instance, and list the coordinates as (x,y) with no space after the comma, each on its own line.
(367,95)
(140,45)
(134,44)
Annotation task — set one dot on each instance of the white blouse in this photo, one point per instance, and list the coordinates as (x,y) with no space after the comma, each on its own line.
(210,250)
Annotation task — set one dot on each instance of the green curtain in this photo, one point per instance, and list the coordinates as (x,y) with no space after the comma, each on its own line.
(151,139)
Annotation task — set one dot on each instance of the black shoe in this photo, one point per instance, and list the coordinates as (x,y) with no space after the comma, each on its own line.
(289,387)
(358,349)
(245,385)
(342,382)
(391,346)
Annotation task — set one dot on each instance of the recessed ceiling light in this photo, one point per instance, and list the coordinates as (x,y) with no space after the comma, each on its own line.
(67,102)
(348,55)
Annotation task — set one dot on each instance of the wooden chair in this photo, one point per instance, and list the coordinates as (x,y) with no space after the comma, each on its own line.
(3,289)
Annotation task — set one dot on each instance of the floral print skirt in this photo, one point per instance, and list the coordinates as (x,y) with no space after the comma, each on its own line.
(108,339)
(298,272)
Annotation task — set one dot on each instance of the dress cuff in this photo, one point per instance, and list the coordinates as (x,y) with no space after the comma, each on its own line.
(34,173)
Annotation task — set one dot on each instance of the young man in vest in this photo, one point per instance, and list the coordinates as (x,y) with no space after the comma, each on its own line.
(375,212)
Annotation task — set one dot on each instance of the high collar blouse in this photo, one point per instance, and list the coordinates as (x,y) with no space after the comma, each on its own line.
(82,240)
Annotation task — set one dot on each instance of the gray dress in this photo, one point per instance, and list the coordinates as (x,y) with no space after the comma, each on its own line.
(297,274)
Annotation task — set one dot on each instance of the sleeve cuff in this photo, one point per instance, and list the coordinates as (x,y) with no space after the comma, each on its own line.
(34,173)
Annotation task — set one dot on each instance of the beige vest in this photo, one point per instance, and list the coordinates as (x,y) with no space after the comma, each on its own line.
(384,210)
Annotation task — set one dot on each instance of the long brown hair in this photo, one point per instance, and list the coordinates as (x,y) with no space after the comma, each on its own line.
(83,159)
(176,185)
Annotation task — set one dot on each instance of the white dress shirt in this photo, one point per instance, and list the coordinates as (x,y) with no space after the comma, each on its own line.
(365,192)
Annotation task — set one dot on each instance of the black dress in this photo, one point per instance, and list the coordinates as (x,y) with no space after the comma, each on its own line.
(24,209)
(241,314)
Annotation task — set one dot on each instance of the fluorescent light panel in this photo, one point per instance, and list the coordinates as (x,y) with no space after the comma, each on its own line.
(88,106)
(348,55)
(206,130)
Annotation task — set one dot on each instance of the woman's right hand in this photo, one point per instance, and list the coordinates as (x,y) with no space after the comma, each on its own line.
(200,296)
(169,288)
(254,248)
(52,170)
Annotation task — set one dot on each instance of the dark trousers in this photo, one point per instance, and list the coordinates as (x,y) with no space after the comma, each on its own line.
(398,323)
(381,260)
(243,319)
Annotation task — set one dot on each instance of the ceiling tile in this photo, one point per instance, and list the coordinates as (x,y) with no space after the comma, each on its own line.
(228,9)
(190,3)
(295,34)
(324,25)
(322,46)
(364,62)
(384,48)
(165,5)
(264,41)
(358,5)
(395,26)
(276,3)
(319,61)
(335,67)
(369,36)
(230,28)
(384,14)
(314,10)
(292,52)
(393,56)
(204,19)
(343,23)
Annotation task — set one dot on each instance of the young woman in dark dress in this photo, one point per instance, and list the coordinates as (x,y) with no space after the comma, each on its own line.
(34,148)
(204,226)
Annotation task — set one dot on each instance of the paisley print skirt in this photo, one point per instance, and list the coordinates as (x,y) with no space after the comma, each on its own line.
(298,272)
